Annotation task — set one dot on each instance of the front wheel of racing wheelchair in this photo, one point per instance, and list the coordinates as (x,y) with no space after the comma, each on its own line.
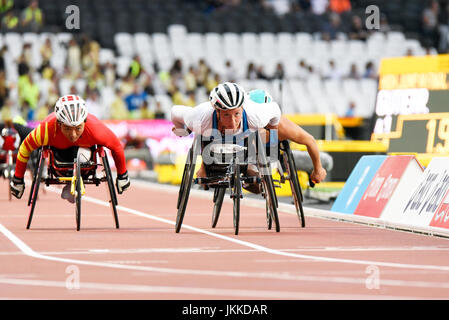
(78,173)
(287,162)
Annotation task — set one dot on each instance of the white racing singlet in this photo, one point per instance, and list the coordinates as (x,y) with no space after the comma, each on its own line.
(199,119)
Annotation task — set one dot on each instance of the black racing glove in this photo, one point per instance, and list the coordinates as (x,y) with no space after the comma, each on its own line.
(122,182)
(17,187)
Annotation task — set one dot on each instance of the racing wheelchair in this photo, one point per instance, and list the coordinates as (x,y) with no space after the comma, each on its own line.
(287,170)
(78,173)
(8,154)
(226,167)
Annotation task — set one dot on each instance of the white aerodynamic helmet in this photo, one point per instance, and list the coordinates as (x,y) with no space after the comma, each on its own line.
(227,96)
(71,110)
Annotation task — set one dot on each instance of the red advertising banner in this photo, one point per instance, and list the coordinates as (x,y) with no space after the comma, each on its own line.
(382,186)
(441,217)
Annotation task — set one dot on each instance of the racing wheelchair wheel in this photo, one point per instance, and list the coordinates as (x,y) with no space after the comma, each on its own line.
(77,168)
(290,166)
(35,186)
(113,196)
(219,194)
(268,190)
(236,192)
(186,183)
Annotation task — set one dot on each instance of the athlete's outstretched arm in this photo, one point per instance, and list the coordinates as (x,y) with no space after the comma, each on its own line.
(291,131)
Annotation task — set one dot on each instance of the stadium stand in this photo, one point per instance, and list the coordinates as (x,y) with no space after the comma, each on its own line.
(313,61)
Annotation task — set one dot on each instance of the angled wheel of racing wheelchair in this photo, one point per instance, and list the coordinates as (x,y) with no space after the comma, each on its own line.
(235,185)
(219,194)
(35,186)
(186,182)
(288,162)
(78,173)
(113,202)
(268,189)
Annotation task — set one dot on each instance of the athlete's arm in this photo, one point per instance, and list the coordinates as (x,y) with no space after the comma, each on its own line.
(37,138)
(291,131)
(105,137)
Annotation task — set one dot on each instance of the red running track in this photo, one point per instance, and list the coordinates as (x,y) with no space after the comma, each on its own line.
(146,259)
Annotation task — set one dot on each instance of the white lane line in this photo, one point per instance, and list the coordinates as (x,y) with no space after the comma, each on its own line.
(269,250)
(262,248)
(217,273)
(195,291)
(217,250)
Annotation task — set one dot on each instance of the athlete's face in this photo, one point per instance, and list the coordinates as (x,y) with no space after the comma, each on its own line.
(72,133)
(230,119)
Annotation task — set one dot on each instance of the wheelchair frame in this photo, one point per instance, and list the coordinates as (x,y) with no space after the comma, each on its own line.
(233,180)
(78,173)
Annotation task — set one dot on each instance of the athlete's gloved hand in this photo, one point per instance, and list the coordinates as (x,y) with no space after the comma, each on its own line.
(17,187)
(122,182)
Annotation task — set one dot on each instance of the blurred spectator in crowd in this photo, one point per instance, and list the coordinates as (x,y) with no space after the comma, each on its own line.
(178,97)
(319,7)
(148,85)
(190,79)
(96,80)
(109,75)
(331,28)
(354,73)
(10,22)
(176,71)
(135,69)
(4,90)
(145,112)
(212,81)
(203,71)
(333,73)
(357,30)
(191,101)
(32,18)
(119,110)
(95,106)
(22,65)
(3,51)
(135,100)
(30,95)
(279,72)
(230,73)
(158,112)
(5,6)
(74,58)
(127,85)
(28,55)
(370,72)
(46,51)
(303,70)
(350,113)
(251,72)
(443,28)
(7,109)
(261,73)
(339,6)
(430,24)
(384,25)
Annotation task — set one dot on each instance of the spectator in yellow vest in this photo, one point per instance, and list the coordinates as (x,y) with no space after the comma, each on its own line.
(6,5)
(10,21)
(32,17)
